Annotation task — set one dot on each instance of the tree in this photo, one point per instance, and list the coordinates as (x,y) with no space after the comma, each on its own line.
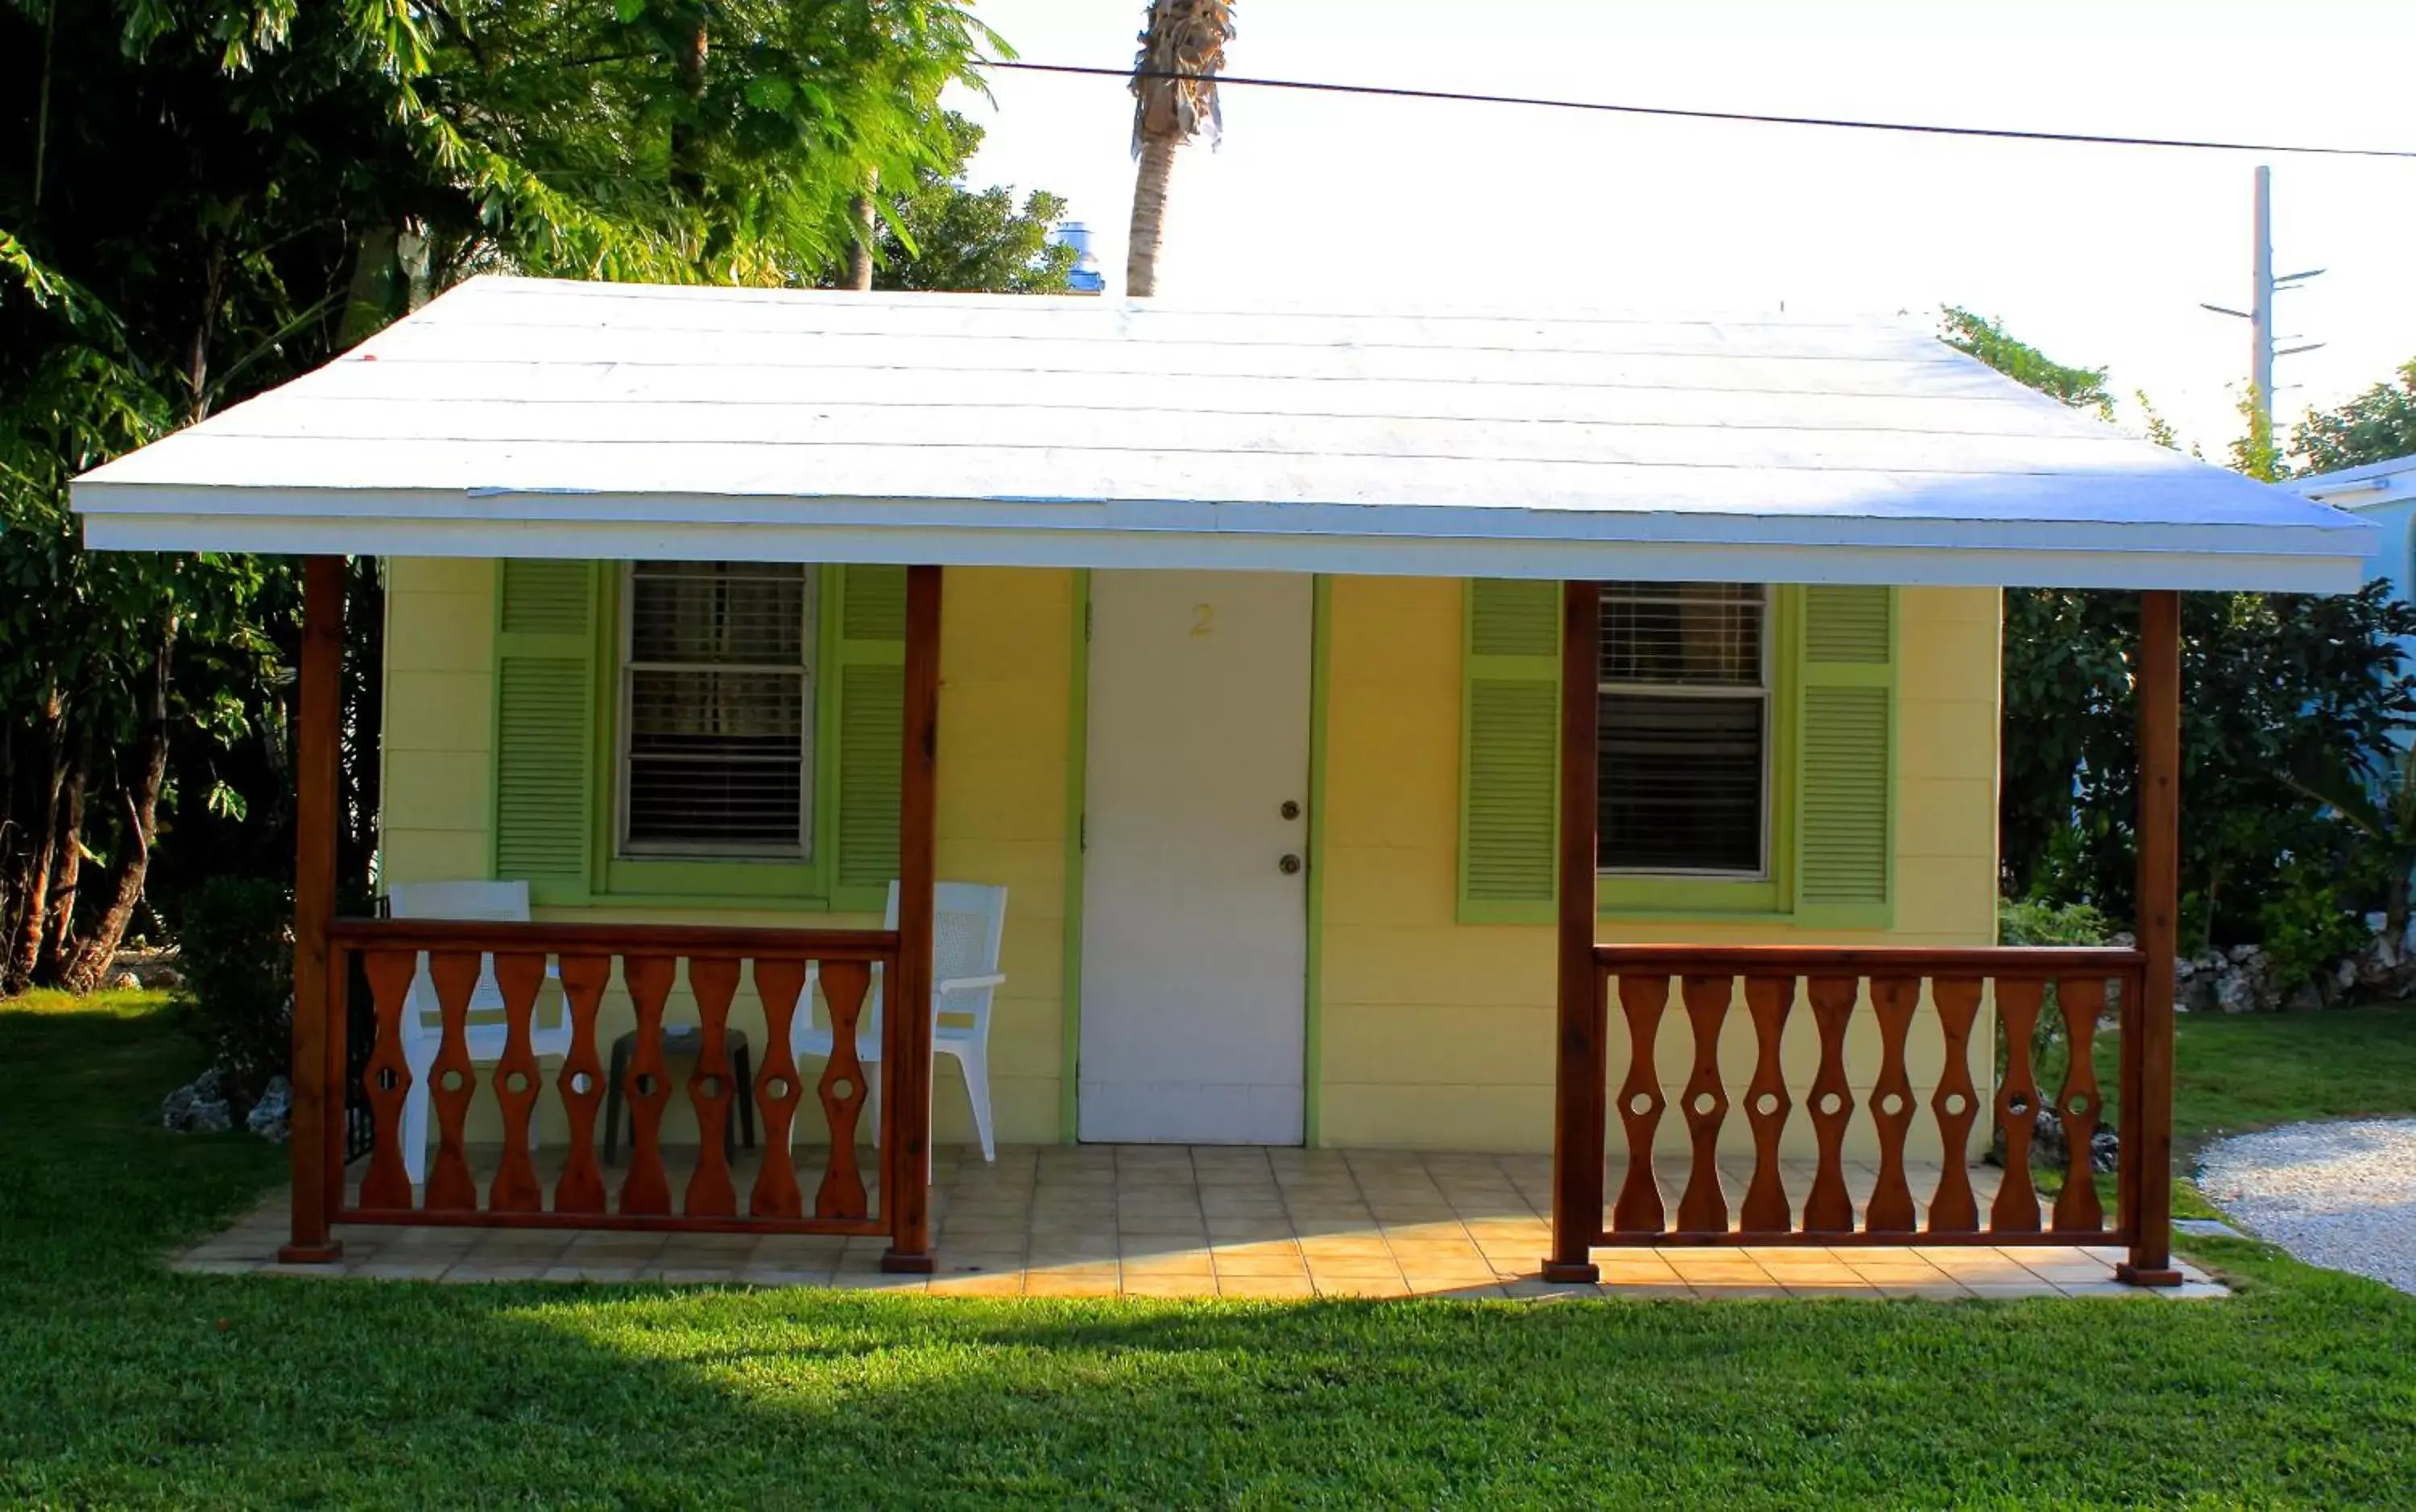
(201,198)
(2375,426)
(2274,685)
(1174,96)
(942,235)
(1978,336)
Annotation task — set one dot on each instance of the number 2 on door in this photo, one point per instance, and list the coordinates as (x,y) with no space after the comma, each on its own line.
(1204,621)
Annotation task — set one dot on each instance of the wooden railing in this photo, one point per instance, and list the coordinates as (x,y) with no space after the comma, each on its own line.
(647,961)
(1833,986)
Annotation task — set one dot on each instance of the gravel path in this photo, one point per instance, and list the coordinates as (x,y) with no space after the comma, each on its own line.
(2336,1194)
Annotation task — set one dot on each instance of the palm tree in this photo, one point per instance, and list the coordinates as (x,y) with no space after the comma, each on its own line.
(1184,38)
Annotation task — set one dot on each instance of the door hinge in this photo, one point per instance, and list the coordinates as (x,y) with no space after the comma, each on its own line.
(1083,832)
(1086,622)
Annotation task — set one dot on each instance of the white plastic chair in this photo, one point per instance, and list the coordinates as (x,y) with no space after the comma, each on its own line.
(968,923)
(488,1031)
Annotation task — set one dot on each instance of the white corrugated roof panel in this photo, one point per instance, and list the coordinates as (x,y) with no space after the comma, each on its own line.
(531,418)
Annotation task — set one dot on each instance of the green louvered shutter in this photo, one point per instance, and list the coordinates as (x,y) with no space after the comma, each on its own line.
(1509,745)
(1844,769)
(545,648)
(868,673)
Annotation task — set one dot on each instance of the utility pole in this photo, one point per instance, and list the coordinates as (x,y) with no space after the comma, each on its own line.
(2263,286)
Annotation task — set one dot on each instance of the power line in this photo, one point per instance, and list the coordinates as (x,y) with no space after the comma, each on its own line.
(1749,117)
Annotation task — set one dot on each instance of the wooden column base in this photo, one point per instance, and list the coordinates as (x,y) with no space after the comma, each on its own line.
(905,1264)
(1572,1272)
(325,1253)
(2130,1275)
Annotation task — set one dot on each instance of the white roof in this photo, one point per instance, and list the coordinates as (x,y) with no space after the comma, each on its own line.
(2361,487)
(516,417)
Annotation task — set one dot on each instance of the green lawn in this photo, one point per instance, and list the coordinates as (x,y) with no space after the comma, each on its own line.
(123,1383)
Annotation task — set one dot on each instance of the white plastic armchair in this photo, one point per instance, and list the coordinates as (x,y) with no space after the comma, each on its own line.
(969,922)
(487,1029)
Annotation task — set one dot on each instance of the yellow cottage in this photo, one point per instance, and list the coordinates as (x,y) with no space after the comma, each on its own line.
(1233,646)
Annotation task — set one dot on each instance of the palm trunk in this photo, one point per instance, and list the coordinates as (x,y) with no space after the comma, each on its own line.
(67,869)
(1148,215)
(859,255)
(150,765)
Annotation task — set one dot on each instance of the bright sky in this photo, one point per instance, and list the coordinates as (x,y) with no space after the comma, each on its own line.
(2098,255)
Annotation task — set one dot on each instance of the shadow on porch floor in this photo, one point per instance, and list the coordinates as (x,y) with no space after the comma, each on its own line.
(1199,1221)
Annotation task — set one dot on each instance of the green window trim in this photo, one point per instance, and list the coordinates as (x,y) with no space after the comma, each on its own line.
(1830,822)
(556,804)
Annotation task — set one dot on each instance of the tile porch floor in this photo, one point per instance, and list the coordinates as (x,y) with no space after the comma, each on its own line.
(1199,1221)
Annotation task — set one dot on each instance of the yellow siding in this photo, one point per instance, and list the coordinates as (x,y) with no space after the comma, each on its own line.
(1005,675)
(1435,1034)
(1438,1034)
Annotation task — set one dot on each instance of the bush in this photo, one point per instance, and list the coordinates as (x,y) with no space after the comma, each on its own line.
(2037,922)
(2308,922)
(235,949)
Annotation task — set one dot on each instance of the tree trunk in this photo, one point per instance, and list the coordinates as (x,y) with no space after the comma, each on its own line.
(688,71)
(25,948)
(150,772)
(859,255)
(370,302)
(1148,215)
(67,868)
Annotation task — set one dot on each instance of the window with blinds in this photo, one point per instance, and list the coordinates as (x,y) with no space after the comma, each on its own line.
(1683,771)
(718,698)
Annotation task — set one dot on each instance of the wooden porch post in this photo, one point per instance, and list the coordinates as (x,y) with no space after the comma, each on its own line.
(2147,1153)
(1581,1079)
(318,1092)
(905,1188)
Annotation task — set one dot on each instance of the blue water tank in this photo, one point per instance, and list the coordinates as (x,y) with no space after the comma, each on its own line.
(1086,278)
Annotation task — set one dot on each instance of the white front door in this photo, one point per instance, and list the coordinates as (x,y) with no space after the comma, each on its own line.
(1194,928)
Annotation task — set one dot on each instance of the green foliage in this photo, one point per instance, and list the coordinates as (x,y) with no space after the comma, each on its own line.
(2256,453)
(2272,686)
(2375,426)
(943,235)
(235,952)
(2308,918)
(205,198)
(2378,810)
(2037,922)
(2082,388)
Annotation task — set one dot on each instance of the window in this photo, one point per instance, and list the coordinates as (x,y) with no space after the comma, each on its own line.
(1683,771)
(718,699)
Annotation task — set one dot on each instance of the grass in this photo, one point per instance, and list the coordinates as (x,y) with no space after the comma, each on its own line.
(2239,1071)
(124,1384)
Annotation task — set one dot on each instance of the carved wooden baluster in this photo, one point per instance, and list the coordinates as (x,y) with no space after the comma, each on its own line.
(646,1087)
(519,973)
(1829,1209)
(2076,1208)
(1953,1209)
(713,980)
(2016,1208)
(1703,1208)
(581,1084)
(1894,999)
(1766,1104)
(1639,1210)
(452,1082)
(777,1090)
(842,1088)
(385,1081)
